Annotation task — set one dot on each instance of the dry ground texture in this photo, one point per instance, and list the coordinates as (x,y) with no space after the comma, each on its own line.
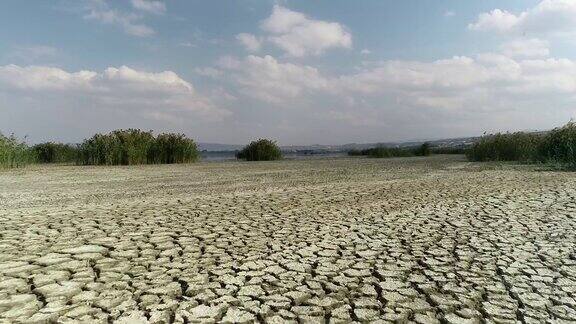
(424,240)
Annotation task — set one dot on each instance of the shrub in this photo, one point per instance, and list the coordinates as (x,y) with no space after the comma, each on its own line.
(14,153)
(50,152)
(260,150)
(133,146)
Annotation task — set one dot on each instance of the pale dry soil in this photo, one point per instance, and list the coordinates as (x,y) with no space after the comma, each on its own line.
(426,240)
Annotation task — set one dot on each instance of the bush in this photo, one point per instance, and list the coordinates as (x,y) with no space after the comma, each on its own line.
(14,153)
(55,153)
(260,150)
(133,146)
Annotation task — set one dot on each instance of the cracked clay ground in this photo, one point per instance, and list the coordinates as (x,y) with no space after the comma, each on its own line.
(427,240)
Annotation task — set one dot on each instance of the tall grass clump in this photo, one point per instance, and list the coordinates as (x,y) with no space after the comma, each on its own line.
(423,150)
(260,150)
(390,152)
(555,147)
(173,148)
(518,146)
(50,152)
(559,146)
(133,146)
(449,150)
(14,153)
(387,152)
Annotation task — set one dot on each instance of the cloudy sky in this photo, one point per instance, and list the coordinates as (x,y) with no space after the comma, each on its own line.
(297,71)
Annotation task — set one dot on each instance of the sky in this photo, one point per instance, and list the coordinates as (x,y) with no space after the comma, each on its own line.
(296,71)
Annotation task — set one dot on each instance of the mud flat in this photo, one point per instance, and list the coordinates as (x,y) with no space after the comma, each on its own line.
(427,240)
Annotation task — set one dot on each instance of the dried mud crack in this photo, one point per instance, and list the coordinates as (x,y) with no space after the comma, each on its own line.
(420,240)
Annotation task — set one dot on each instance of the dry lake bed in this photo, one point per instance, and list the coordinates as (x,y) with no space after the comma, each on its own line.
(426,240)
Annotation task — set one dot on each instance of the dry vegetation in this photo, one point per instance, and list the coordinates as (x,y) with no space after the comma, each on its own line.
(414,239)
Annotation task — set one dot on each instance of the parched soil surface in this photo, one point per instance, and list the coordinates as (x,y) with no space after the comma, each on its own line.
(427,240)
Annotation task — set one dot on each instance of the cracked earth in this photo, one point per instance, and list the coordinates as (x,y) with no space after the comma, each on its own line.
(426,240)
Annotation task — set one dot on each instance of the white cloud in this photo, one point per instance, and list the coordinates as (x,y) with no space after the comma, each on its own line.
(114,88)
(552,17)
(250,42)
(449,13)
(448,81)
(365,51)
(490,90)
(267,79)
(488,81)
(499,20)
(300,35)
(532,47)
(155,7)
(99,10)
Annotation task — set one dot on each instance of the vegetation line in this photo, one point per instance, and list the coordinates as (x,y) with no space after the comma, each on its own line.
(133,146)
(556,147)
(120,147)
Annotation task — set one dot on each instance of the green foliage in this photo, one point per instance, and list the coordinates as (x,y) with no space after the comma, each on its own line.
(449,150)
(557,146)
(518,146)
(356,152)
(133,146)
(260,150)
(14,153)
(383,152)
(173,148)
(390,152)
(423,150)
(50,152)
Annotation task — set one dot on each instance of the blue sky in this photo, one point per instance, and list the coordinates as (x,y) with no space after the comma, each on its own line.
(300,72)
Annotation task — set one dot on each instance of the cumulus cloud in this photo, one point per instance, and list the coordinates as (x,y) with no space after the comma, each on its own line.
(553,17)
(155,7)
(99,10)
(300,35)
(471,90)
(249,41)
(499,20)
(267,79)
(114,88)
(532,47)
(446,80)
